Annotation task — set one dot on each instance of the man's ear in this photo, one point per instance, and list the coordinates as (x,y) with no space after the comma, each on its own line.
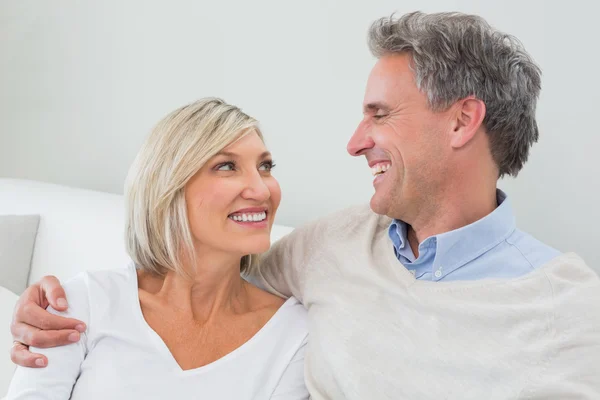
(468,118)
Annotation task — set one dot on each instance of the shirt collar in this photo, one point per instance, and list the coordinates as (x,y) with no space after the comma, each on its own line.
(456,248)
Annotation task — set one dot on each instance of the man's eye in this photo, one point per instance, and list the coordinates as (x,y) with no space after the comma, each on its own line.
(228,166)
(379,116)
(266,166)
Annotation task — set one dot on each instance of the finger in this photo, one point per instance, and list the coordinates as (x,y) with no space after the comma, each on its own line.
(52,290)
(31,336)
(20,355)
(33,315)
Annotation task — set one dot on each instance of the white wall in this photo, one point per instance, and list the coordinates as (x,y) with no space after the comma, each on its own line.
(82,83)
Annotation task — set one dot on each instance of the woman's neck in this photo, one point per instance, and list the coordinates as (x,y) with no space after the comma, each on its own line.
(216,287)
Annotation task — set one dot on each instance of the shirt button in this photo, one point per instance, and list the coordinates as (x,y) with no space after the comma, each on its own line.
(438,273)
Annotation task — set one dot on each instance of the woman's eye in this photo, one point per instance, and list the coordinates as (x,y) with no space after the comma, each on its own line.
(266,166)
(228,166)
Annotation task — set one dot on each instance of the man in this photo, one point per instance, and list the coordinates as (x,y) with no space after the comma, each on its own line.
(432,293)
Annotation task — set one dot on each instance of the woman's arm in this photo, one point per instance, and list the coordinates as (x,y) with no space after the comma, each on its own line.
(57,380)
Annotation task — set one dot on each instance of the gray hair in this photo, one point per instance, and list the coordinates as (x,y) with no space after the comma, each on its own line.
(458,55)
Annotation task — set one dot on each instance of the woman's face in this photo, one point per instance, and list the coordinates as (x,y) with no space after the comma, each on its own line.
(232,200)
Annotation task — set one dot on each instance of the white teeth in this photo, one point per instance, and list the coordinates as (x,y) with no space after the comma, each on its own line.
(379,168)
(256,217)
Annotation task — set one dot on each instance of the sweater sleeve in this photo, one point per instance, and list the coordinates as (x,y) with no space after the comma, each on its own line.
(57,379)
(284,268)
(573,367)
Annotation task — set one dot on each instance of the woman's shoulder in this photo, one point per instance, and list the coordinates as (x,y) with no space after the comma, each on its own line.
(294,309)
(284,337)
(104,279)
(90,288)
(280,314)
(293,318)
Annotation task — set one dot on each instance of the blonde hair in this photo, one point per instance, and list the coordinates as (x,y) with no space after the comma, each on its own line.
(158,236)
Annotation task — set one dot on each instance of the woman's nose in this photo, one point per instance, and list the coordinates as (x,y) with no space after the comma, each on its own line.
(256,188)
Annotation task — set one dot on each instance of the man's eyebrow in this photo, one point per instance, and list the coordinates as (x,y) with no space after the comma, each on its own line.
(376,106)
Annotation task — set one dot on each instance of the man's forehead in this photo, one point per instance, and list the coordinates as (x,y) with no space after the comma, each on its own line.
(381,92)
(390,80)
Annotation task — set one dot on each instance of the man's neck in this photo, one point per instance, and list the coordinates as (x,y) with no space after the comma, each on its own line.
(451,213)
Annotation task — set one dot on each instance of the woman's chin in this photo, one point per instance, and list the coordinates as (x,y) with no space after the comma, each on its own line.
(256,246)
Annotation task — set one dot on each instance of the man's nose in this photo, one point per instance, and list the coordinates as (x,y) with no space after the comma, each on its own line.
(360,141)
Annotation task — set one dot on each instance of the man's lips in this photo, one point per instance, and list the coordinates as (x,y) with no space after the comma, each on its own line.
(373,163)
(380,167)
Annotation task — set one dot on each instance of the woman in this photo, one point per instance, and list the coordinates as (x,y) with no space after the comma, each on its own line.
(182,323)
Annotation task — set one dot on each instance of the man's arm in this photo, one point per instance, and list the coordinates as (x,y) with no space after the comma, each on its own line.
(32,325)
(573,369)
(572,373)
(56,382)
(284,268)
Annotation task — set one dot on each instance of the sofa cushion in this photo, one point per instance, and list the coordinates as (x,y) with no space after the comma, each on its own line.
(7,303)
(79,229)
(17,239)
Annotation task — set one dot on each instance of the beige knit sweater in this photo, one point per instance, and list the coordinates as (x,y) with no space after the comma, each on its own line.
(377,333)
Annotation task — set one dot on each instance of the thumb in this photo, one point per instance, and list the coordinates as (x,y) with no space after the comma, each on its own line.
(53,292)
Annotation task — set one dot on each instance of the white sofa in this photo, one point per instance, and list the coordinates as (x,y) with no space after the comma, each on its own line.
(78,230)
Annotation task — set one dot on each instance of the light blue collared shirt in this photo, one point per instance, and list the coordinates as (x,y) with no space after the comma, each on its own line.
(489,248)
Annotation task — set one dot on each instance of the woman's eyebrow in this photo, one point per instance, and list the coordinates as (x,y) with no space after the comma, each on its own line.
(236,155)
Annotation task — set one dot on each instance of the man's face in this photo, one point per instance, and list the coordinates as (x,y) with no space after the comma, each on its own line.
(405,143)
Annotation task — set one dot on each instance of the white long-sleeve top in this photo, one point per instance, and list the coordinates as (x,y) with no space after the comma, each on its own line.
(121,357)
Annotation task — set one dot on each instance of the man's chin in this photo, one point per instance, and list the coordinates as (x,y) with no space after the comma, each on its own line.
(378,204)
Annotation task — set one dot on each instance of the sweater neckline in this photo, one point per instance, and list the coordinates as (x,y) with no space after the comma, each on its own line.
(408,280)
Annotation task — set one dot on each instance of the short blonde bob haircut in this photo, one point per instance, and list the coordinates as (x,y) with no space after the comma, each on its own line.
(158,235)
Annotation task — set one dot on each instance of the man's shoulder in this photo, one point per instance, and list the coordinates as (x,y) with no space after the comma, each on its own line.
(346,221)
(535,252)
(571,270)
(575,286)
